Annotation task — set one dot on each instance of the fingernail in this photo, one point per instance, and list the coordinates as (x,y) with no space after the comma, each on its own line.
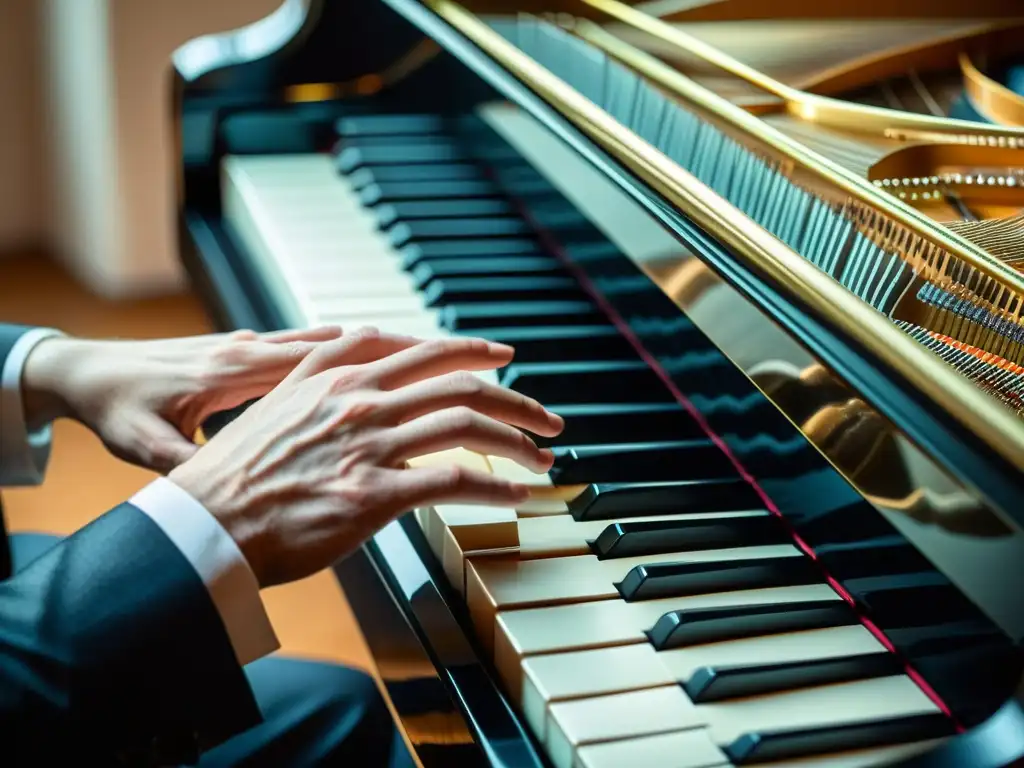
(556,420)
(503,349)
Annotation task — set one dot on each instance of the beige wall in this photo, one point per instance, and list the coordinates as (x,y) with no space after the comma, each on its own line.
(86,150)
(21,147)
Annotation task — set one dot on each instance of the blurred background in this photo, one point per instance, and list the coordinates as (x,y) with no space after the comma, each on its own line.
(87,234)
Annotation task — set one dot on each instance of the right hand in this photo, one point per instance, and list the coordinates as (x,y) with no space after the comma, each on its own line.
(317,466)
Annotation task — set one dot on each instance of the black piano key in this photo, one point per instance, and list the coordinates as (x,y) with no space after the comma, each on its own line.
(351,158)
(902,600)
(417,230)
(603,501)
(655,537)
(376,193)
(765,746)
(373,142)
(386,174)
(532,266)
(462,290)
(695,626)
(411,210)
(709,684)
(600,382)
(883,555)
(390,125)
(932,639)
(639,462)
(541,344)
(474,316)
(429,250)
(596,423)
(649,582)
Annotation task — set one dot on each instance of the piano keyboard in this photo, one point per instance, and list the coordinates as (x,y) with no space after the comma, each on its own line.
(648,610)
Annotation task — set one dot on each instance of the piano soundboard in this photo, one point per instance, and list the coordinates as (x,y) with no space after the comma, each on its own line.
(695,584)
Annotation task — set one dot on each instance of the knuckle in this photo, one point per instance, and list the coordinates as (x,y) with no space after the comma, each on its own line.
(295,349)
(462,420)
(323,354)
(465,383)
(355,493)
(357,407)
(345,380)
(440,346)
(229,355)
(525,441)
(367,333)
(454,477)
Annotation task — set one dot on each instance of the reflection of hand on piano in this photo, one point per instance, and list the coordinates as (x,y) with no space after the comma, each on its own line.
(864,447)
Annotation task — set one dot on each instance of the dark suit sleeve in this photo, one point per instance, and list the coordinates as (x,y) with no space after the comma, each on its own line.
(23,456)
(111,646)
(9,334)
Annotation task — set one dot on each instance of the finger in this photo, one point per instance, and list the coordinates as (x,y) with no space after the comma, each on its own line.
(436,357)
(464,389)
(428,486)
(322,333)
(463,428)
(356,348)
(147,440)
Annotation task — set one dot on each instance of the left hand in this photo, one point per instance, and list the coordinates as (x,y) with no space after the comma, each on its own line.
(146,399)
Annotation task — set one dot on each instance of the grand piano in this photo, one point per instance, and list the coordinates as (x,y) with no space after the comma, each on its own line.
(763,258)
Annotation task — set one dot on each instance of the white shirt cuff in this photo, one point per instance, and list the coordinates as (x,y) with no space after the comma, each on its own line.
(23,456)
(219,562)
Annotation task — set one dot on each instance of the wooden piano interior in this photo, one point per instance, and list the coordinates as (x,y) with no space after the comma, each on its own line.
(763,258)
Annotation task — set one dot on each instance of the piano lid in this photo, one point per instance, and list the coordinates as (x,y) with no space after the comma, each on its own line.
(915,262)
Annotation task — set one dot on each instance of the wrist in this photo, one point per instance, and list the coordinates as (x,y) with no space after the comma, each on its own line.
(44,380)
(226,502)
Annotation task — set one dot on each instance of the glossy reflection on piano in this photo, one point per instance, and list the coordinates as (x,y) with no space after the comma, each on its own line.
(763,258)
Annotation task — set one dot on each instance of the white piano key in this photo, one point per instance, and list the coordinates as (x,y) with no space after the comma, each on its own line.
(606,623)
(563,535)
(616,622)
(859,701)
(562,676)
(574,724)
(423,326)
(376,307)
(695,749)
(681,749)
(522,583)
(339,288)
(317,267)
(355,239)
(861,758)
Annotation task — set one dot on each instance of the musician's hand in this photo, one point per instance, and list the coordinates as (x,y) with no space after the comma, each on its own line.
(146,399)
(317,466)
